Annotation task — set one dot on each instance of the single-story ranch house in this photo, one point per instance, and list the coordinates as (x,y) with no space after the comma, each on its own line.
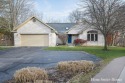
(34,32)
(81,31)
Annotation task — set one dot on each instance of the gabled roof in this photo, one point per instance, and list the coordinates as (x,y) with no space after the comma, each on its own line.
(15,29)
(62,27)
(77,29)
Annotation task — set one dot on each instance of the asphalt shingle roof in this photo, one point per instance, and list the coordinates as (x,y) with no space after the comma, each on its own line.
(61,27)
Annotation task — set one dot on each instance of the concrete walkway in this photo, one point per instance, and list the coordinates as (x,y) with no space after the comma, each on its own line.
(114,72)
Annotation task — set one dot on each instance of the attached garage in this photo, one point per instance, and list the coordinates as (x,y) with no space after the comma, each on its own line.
(34,40)
(34,32)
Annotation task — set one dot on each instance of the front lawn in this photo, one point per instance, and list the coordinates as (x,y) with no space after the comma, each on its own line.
(107,56)
(113,52)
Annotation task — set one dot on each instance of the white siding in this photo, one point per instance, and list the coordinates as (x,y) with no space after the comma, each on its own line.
(17,39)
(34,28)
(74,37)
(52,39)
(100,41)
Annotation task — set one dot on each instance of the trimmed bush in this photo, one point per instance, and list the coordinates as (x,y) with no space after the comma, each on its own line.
(79,41)
(74,67)
(30,74)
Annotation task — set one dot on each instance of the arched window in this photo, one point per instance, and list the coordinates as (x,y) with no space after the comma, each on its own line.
(92,35)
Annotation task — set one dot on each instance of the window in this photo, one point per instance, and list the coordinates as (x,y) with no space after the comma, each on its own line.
(88,37)
(92,35)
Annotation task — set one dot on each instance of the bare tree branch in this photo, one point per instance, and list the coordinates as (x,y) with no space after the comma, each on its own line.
(75,16)
(105,15)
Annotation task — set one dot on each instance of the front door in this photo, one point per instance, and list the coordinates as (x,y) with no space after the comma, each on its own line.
(69,38)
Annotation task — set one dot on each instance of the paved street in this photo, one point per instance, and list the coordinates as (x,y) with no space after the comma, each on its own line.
(20,57)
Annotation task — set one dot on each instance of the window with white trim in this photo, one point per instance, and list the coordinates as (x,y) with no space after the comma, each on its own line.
(92,35)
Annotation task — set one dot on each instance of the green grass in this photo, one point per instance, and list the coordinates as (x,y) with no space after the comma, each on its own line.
(112,53)
(106,56)
(3,48)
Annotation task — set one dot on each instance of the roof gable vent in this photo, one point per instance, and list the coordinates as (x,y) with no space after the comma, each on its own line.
(34,20)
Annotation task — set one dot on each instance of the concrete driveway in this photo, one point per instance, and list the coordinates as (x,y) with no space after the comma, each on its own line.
(20,57)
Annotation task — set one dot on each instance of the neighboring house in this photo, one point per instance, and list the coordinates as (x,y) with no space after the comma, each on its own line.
(34,32)
(119,38)
(81,31)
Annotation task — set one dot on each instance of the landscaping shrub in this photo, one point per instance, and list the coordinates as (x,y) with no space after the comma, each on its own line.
(63,37)
(30,74)
(79,41)
(74,67)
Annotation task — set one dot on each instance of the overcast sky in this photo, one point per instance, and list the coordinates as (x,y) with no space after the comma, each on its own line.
(55,9)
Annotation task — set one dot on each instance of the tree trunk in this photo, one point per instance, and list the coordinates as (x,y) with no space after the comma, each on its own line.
(105,44)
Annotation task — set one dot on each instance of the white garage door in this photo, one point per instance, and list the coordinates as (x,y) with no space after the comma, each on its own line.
(34,40)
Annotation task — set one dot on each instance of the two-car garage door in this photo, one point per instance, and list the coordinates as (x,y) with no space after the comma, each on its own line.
(35,40)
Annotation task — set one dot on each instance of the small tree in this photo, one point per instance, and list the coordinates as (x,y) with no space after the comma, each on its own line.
(5,31)
(63,38)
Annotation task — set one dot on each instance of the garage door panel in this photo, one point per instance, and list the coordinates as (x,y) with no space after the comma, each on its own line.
(34,40)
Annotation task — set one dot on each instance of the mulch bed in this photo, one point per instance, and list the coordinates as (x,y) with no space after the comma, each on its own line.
(55,76)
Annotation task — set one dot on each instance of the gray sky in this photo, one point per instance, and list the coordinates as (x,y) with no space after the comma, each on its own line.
(56,9)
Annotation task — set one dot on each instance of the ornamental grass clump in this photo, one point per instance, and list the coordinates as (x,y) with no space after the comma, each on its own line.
(74,67)
(30,74)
